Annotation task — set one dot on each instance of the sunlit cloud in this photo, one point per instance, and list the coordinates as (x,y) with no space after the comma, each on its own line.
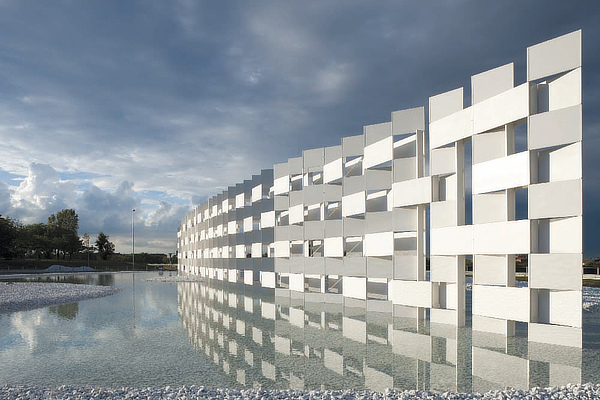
(169,103)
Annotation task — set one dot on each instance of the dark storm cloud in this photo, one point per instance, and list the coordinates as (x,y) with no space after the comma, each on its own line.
(188,97)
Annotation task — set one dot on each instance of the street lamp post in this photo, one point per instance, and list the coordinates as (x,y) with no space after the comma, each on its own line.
(132,239)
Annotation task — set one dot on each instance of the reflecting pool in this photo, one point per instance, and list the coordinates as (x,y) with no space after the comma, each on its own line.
(280,338)
(132,338)
(220,334)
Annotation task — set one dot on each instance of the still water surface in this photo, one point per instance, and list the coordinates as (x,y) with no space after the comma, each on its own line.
(217,334)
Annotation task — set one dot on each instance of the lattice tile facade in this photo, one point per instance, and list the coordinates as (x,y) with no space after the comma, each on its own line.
(352,219)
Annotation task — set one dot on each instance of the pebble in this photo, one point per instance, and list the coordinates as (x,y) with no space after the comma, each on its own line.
(586,391)
(21,296)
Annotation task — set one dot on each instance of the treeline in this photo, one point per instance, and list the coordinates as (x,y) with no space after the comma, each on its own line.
(56,239)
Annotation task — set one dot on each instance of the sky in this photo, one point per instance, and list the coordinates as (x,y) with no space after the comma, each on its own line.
(106,106)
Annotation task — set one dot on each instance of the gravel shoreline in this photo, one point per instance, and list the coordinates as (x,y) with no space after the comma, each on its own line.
(22,296)
(585,391)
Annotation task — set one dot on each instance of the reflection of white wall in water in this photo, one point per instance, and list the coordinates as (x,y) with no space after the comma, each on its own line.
(293,341)
(345,219)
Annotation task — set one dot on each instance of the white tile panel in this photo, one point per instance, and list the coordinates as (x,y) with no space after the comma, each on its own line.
(405,219)
(442,161)
(490,207)
(378,152)
(379,244)
(490,83)
(376,132)
(452,296)
(501,302)
(334,247)
(442,316)
(444,104)
(281,185)
(565,308)
(248,277)
(555,335)
(555,271)
(256,250)
(353,145)
(282,248)
(412,192)
(511,237)
(231,227)
(410,293)
(239,200)
(408,121)
(450,129)
(267,219)
(248,224)
(354,287)
(502,173)
(332,171)
(554,56)
(491,270)
(555,199)
(443,268)
(296,214)
(443,214)
(490,325)
(565,91)
(502,109)
(240,251)
(353,204)
(566,235)
(555,128)
(313,157)
(565,163)
(454,240)
(267,279)
(490,145)
(297,283)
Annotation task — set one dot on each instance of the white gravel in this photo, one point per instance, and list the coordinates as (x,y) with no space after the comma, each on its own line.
(21,296)
(176,278)
(586,391)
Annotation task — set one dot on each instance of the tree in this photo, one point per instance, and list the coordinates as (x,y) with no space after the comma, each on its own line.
(8,236)
(35,242)
(62,232)
(105,247)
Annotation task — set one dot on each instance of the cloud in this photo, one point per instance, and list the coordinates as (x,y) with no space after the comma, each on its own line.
(5,205)
(165,216)
(42,193)
(186,98)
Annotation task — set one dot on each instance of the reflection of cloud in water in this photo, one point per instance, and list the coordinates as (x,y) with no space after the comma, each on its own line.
(109,333)
(156,306)
(27,324)
(101,345)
